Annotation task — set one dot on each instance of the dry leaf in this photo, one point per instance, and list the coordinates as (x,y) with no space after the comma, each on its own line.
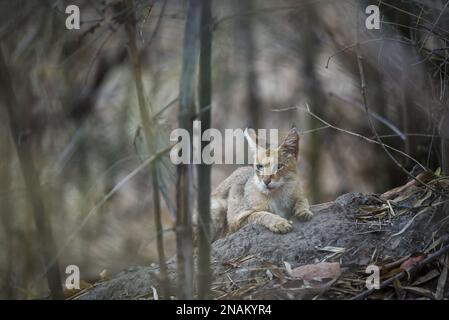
(419,291)
(439,294)
(104,276)
(427,277)
(390,273)
(403,192)
(410,262)
(288,268)
(409,223)
(71,292)
(400,293)
(332,249)
(155,295)
(318,271)
(420,202)
(373,209)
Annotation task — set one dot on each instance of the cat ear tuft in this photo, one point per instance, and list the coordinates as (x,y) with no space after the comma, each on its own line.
(251,137)
(290,144)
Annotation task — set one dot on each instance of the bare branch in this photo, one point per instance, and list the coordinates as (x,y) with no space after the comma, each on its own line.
(329,125)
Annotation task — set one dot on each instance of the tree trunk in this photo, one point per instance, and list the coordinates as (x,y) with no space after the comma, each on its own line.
(47,244)
(184,183)
(6,213)
(204,170)
(150,135)
(313,90)
(249,52)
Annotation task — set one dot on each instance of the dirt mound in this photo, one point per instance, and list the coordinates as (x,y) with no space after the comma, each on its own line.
(404,225)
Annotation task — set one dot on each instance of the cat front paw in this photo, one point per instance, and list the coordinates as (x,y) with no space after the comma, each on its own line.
(279,225)
(304,214)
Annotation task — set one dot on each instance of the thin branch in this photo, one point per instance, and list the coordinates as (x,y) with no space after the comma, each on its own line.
(159,22)
(167,106)
(307,110)
(375,115)
(408,272)
(424,135)
(412,15)
(314,130)
(96,55)
(351,46)
(434,25)
(150,135)
(373,128)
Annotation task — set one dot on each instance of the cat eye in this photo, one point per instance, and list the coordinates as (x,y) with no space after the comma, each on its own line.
(280,166)
(259,167)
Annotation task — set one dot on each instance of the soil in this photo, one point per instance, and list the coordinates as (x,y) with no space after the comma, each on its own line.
(355,230)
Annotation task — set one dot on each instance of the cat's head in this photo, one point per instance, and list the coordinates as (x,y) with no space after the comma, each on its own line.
(274,166)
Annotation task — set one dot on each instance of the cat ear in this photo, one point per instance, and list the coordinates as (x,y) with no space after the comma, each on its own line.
(251,137)
(291,143)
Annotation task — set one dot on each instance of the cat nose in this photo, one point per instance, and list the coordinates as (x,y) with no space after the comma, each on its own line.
(267,181)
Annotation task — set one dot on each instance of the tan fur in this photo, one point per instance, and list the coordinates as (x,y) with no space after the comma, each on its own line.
(243,197)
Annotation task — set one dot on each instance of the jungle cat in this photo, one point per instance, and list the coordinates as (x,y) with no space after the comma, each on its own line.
(264,194)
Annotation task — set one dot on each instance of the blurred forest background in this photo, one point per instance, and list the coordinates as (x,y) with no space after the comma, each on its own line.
(79,125)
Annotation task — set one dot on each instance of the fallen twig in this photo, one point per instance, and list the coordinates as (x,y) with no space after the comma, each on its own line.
(409,271)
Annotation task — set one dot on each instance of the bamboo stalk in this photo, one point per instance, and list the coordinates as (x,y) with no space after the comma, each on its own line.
(184,183)
(150,132)
(204,170)
(47,244)
(6,216)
